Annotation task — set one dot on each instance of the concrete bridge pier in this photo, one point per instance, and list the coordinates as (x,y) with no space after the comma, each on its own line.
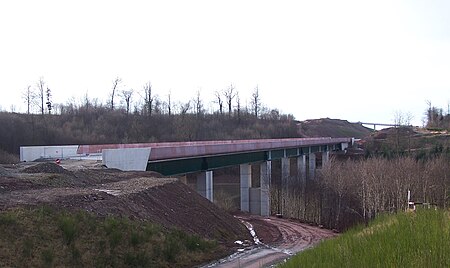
(265,178)
(245,185)
(205,185)
(312,165)
(285,173)
(301,168)
(256,200)
(325,158)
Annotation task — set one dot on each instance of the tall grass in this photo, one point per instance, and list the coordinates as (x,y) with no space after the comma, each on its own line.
(413,239)
(44,237)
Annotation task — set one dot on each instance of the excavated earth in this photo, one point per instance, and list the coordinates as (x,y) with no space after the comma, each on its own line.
(147,196)
(76,185)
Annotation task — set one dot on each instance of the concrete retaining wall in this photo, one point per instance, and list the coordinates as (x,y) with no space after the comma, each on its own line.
(32,153)
(126,159)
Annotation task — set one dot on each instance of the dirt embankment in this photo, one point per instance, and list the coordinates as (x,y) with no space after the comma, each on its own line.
(136,195)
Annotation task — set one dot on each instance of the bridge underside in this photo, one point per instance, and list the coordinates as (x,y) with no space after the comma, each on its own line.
(205,163)
(179,158)
(255,200)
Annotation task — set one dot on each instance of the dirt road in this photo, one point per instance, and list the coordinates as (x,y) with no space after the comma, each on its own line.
(278,240)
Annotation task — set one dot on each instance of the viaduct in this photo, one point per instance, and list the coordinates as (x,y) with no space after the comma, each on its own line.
(203,157)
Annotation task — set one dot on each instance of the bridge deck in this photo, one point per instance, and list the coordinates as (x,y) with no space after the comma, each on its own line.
(176,150)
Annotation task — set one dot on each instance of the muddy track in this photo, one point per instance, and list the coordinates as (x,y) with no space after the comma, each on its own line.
(280,239)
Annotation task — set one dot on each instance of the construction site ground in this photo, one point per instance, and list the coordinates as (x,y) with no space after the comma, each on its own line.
(87,185)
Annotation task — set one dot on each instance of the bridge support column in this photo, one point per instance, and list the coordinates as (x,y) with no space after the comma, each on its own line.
(312,165)
(301,176)
(205,185)
(265,177)
(301,168)
(325,158)
(285,173)
(245,184)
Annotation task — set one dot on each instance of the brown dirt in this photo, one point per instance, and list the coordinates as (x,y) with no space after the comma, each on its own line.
(46,168)
(335,128)
(136,195)
(280,240)
(143,196)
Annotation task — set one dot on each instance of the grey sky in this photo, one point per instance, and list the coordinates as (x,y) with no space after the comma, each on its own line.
(354,60)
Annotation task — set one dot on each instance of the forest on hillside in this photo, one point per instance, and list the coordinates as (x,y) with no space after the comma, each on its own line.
(152,120)
(130,116)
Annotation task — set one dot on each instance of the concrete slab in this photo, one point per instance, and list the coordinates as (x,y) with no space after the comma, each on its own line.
(126,159)
(32,153)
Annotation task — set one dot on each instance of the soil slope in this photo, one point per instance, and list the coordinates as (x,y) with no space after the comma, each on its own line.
(136,195)
(334,128)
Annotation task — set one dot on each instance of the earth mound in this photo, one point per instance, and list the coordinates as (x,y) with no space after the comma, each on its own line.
(46,168)
(136,195)
(333,128)
(4,172)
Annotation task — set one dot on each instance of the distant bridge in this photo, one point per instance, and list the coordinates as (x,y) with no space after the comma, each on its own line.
(378,124)
(202,157)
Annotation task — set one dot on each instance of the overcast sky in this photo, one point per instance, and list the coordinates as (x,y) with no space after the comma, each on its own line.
(355,60)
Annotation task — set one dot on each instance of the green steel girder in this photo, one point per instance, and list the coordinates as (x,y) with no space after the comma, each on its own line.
(291,152)
(276,154)
(204,163)
(189,165)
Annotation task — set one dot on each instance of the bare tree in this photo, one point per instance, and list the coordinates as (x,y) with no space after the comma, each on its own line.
(40,93)
(185,107)
(169,104)
(229,96)
(219,101)
(256,101)
(49,101)
(116,83)
(148,98)
(29,98)
(126,94)
(238,106)
(198,104)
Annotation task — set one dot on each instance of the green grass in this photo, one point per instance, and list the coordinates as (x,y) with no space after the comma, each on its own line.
(45,237)
(413,239)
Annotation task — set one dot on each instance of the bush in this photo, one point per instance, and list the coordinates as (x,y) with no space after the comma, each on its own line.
(68,227)
(8,158)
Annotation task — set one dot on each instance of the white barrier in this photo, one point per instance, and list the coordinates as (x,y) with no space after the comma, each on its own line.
(126,159)
(32,153)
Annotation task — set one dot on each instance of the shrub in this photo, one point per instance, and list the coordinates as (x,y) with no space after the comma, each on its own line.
(8,158)
(68,227)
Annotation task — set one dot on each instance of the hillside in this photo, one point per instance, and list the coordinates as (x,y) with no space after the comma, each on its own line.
(334,128)
(412,239)
(419,142)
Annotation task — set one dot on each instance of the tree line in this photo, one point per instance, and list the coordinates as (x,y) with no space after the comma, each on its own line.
(436,118)
(38,100)
(346,192)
